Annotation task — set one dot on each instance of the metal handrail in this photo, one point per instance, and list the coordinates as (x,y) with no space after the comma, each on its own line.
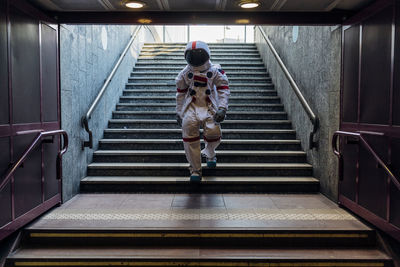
(313,118)
(35,142)
(370,150)
(85,119)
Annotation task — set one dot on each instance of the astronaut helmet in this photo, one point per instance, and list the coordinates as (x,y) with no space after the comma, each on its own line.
(197,53)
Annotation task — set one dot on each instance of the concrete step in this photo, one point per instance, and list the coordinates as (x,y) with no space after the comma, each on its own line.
(177,144)
(172,124)
(177,134)
(177,69)
(171,85)
(172,92)
(172,106)
(247,79)
(214,57)
(173,74)
(194,256)
(171,115)
(182,63)
(183,44)
(219,53)
(178,156)
(264,237)
(232,99)
(181,169)
(209,184)
(212,47)
(215,51)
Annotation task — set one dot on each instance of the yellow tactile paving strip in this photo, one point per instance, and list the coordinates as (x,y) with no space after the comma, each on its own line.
(203,214)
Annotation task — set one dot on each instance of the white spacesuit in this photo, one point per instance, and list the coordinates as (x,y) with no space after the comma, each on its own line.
(201,100)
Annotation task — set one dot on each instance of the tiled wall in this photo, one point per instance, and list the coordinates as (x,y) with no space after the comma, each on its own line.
(313,57)
(87,55)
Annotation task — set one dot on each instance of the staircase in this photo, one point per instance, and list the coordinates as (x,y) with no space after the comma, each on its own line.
(199,224)
(142,149)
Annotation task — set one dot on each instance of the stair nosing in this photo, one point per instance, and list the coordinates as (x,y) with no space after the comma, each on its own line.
(219,153)
(231,105)
(231,141)
(173,97)
(173,112)
(205,179)
(141,165)
(223,130)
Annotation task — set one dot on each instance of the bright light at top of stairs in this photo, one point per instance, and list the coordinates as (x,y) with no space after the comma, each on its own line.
(249,4)
(134,4)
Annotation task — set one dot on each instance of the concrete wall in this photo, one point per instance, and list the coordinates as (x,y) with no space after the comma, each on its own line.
(87,55)
(313,57)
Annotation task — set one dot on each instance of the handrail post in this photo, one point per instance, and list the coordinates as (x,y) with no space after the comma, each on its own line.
(311,115)
(85,119)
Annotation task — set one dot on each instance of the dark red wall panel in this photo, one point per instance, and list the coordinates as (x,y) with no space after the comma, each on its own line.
(29,104)
(4,108)
(5,195)
(396,89)
(394,192)
(350,74)
(4,156)
(49,73)
(348,185)
(25,68)
(374,197)
(373,180)
(51,183)
(376,68)
(28,179)
(5,205)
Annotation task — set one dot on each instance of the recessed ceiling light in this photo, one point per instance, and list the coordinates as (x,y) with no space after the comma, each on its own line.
(134,4)
(242,21)
(249,4)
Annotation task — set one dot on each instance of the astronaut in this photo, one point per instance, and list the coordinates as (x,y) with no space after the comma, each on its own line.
(201,100)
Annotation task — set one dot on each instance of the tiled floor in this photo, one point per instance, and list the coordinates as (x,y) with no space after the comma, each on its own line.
(200,211)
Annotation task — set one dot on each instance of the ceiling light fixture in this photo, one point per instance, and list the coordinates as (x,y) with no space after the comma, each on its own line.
(249,4)
(134,4)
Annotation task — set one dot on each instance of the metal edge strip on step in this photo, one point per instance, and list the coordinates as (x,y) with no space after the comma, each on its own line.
(174,262)
(200,235)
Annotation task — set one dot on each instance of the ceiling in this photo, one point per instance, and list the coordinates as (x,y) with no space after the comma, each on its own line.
(202,5)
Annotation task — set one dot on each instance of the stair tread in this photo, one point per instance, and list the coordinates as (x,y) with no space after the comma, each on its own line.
(174,90)
(167,78)
(120,165)
(230,141)
(182,152)
(173,105)
(173,112)
(319,215)
(205,179)
(173,97)
(173,83)
(174,121)
(176,72)
(180,130)
(179,53)
(69,253)
(179,68)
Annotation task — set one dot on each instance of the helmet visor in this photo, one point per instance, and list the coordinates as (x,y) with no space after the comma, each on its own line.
(196,57)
